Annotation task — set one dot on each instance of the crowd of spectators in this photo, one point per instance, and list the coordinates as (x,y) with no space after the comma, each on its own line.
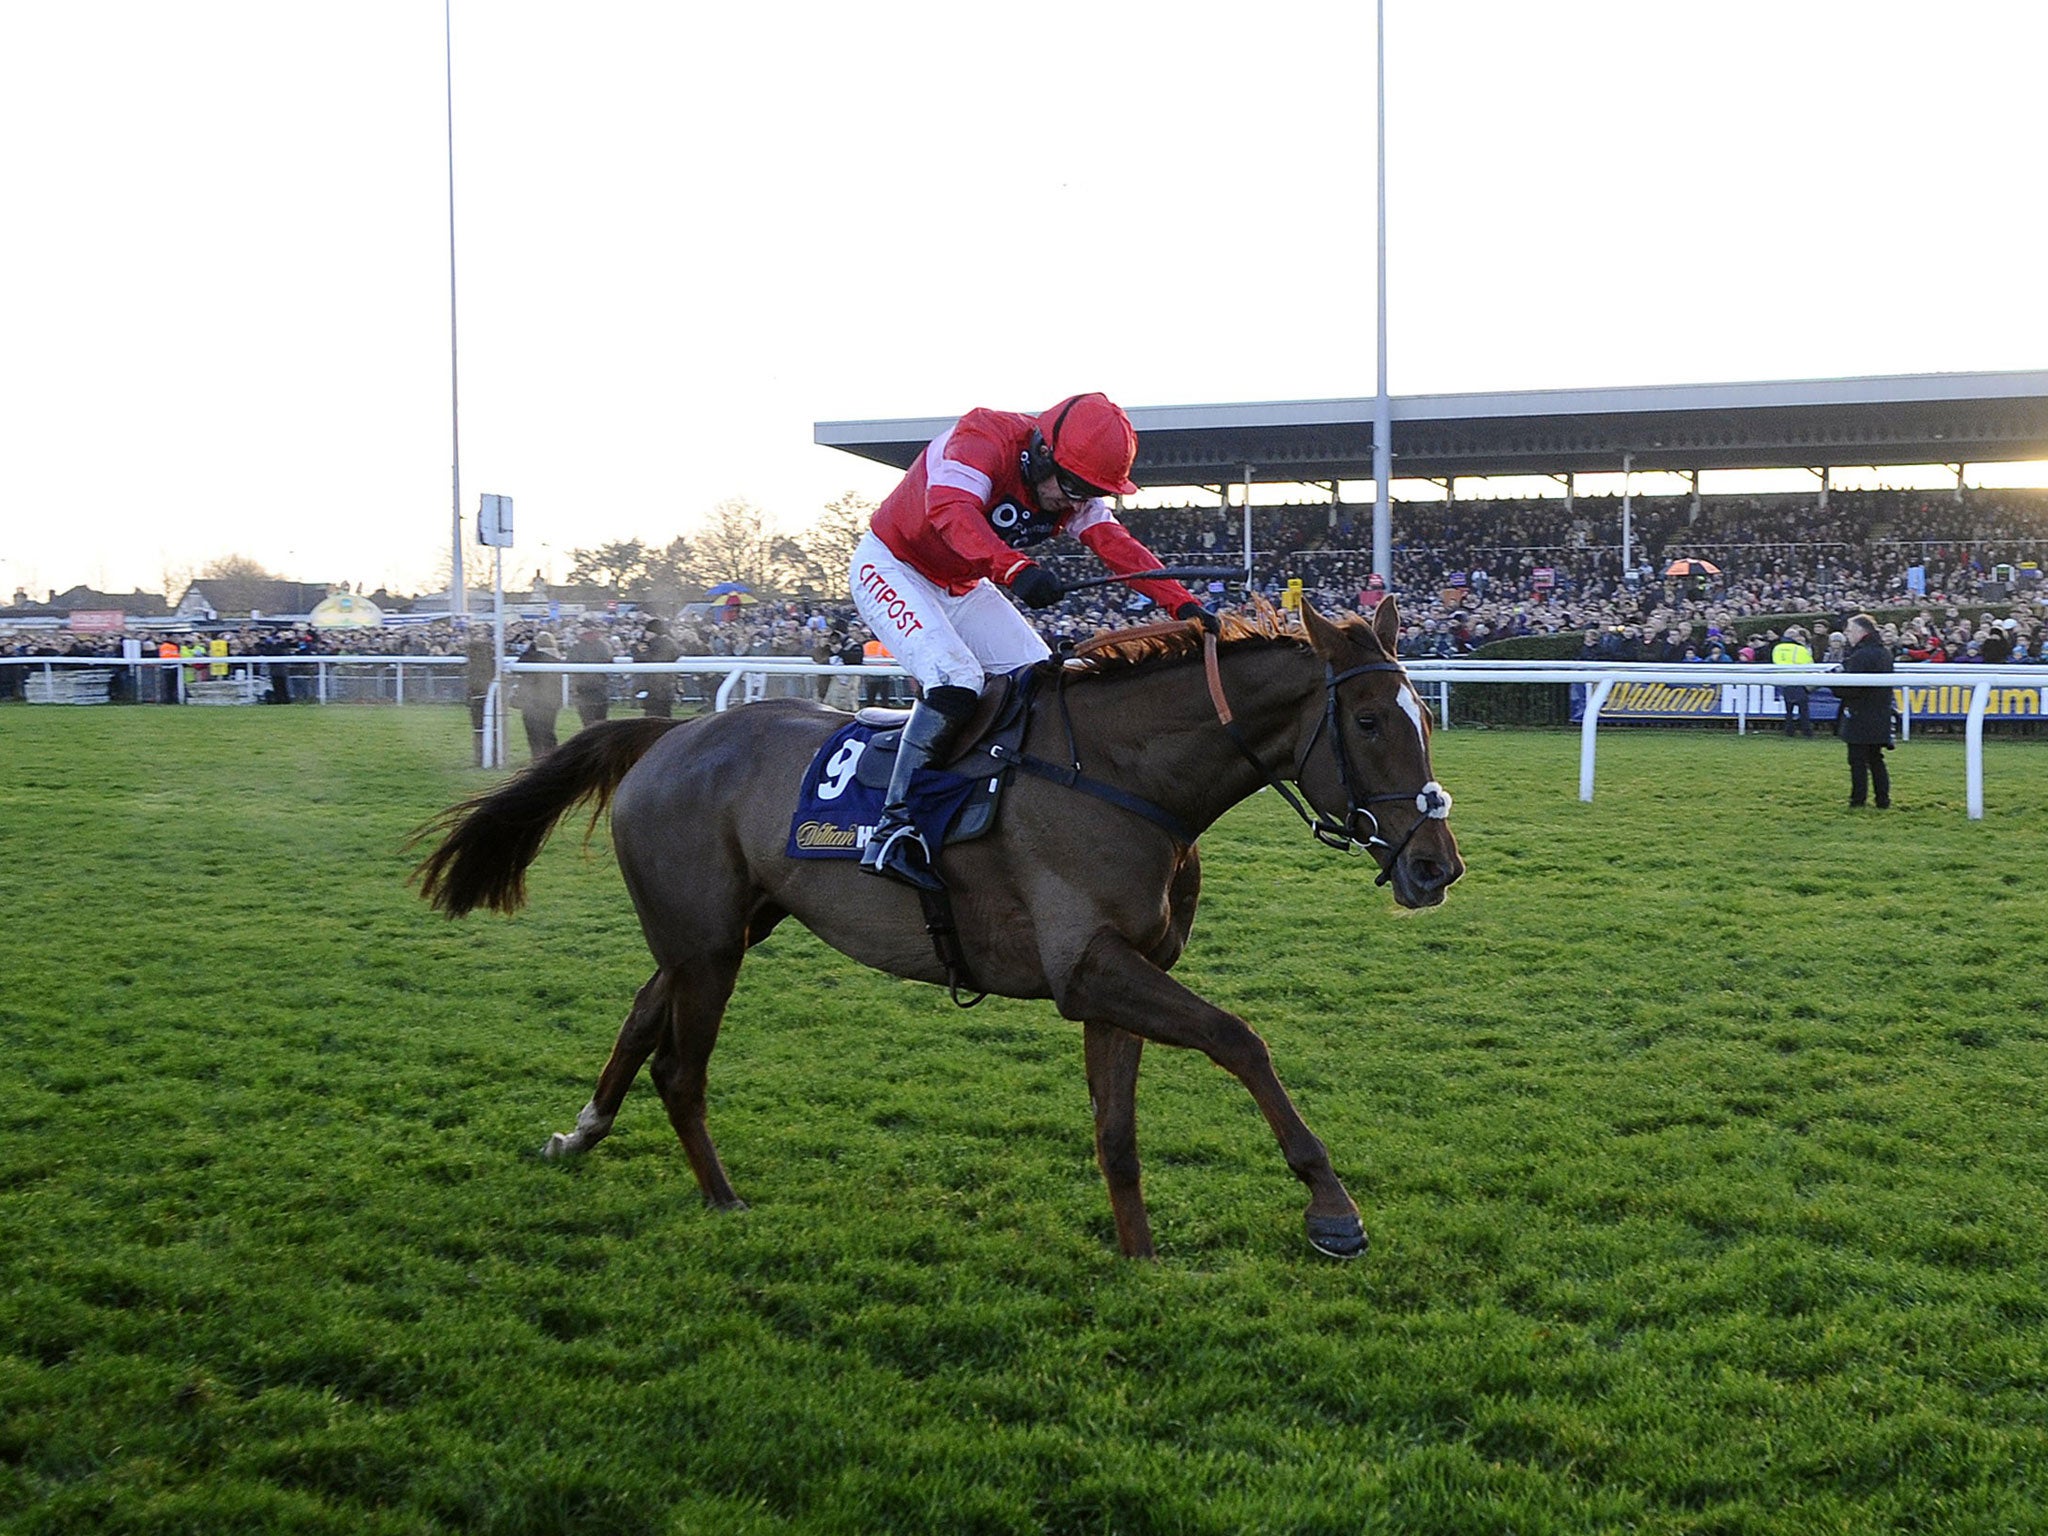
(1466,572)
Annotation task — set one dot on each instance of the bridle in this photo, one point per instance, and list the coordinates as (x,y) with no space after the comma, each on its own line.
(1432,800)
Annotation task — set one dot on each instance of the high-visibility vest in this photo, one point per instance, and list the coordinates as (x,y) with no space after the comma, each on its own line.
(1790,653)
(875,654)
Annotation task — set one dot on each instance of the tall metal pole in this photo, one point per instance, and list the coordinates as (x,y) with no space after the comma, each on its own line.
(458,607)
(1248,526)
(1382,410)
(494,756)
(1627,484)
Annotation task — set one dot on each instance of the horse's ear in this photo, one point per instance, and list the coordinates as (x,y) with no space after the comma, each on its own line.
(1325,638)
(1386,624)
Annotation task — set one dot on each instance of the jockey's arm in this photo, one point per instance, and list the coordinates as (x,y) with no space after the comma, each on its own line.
(1119,549)
(961,519)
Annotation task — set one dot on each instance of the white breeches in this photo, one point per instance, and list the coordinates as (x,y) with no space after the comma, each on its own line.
(941,640)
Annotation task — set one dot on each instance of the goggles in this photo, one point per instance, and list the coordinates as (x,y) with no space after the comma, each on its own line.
(1074,487)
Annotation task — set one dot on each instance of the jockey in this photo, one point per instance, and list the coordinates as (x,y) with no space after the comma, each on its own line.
(929,573)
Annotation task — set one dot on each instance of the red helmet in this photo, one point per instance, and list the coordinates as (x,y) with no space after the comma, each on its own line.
(1091,438)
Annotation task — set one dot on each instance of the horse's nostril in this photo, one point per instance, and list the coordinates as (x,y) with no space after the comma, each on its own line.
(1429,874)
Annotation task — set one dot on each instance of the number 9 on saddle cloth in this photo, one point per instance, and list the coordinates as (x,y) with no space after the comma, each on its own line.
(841,797)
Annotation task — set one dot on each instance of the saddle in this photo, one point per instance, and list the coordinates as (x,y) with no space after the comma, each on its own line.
(956,802)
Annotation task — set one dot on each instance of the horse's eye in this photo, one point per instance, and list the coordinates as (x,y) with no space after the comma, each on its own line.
(1370,724)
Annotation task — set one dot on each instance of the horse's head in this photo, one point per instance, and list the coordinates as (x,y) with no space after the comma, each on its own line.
(1366,763)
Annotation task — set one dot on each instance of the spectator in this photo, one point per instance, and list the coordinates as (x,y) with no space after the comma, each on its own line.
(655,646)
(589,690)
(538,696)
(1791,651)
(1867,715)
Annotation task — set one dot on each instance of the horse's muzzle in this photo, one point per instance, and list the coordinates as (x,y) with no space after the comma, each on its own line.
(1427,867)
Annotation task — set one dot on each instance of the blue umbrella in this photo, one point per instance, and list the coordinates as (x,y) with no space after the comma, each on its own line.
(727,586)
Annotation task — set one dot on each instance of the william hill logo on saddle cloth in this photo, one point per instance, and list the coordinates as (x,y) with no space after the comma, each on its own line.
(836,810)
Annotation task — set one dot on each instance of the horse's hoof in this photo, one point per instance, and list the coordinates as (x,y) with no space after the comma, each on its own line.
(1337,1237)
(734,1204)
(557,1145)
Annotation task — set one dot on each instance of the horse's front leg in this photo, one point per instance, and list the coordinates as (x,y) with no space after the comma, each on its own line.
(1112,1055)
(1113,985)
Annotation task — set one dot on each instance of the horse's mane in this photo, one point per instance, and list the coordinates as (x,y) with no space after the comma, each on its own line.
(1119,650)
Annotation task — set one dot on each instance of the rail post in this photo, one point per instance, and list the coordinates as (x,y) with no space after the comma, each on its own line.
(1973,749)
(1587,730)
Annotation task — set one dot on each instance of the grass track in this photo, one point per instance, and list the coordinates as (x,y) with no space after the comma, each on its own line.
(1701,1137)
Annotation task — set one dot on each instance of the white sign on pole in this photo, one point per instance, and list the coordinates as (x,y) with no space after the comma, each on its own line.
(494,522)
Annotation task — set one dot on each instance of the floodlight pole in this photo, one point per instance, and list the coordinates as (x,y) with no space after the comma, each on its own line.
(458,606)
(494,728)
(1627,506)
(1382,409)
(1248,524)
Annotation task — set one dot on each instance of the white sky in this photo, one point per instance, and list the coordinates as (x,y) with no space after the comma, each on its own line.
(688,232)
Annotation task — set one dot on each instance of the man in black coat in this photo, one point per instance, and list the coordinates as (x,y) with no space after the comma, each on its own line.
(661,687)
(589,691)
(1867,715)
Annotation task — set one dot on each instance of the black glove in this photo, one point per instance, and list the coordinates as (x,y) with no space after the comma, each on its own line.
(1201,616)
(1037,587)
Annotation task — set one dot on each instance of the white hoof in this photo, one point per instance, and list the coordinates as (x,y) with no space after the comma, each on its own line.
(591,1128)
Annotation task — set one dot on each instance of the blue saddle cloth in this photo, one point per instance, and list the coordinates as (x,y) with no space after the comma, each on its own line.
(835,810)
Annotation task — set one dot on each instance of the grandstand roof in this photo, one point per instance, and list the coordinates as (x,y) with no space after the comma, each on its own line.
(1934,418)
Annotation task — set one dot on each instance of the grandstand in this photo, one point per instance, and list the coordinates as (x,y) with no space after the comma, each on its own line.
(1559,563)
(1818,424)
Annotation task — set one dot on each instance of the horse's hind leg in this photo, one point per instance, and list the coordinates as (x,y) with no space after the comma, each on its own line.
(643,1030)
(1112,1056)
(697,1006)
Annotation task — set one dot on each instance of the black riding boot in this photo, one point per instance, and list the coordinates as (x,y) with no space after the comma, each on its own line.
(894,847)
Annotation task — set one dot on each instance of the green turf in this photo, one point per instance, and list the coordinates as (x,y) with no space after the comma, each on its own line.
(1701,1138)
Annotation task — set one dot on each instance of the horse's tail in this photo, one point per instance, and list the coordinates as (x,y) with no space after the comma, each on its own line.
(487,841)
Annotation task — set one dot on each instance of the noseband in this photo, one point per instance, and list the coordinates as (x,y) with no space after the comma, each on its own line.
(1432,801)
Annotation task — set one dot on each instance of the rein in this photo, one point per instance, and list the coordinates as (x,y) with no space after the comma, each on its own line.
(1433,801)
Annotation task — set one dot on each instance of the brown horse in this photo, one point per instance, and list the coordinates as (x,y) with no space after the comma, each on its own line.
(1072,897)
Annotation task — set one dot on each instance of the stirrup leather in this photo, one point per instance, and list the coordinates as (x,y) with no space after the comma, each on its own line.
(894,848)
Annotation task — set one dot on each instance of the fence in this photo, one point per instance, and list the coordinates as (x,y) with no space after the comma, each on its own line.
(245,679)
(1737,685)
(745,677)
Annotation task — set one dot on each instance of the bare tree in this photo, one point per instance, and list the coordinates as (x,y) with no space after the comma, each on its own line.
(830,540)
(735,545)
(236,568)
(617,567)
(476,569)
(791,570)
(671,575)
(176,579)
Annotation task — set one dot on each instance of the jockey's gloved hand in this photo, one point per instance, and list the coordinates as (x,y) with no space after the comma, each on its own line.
(1037,587)
(1201,616)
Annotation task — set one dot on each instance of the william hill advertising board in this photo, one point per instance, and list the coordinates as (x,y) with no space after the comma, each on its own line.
(1719,701)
